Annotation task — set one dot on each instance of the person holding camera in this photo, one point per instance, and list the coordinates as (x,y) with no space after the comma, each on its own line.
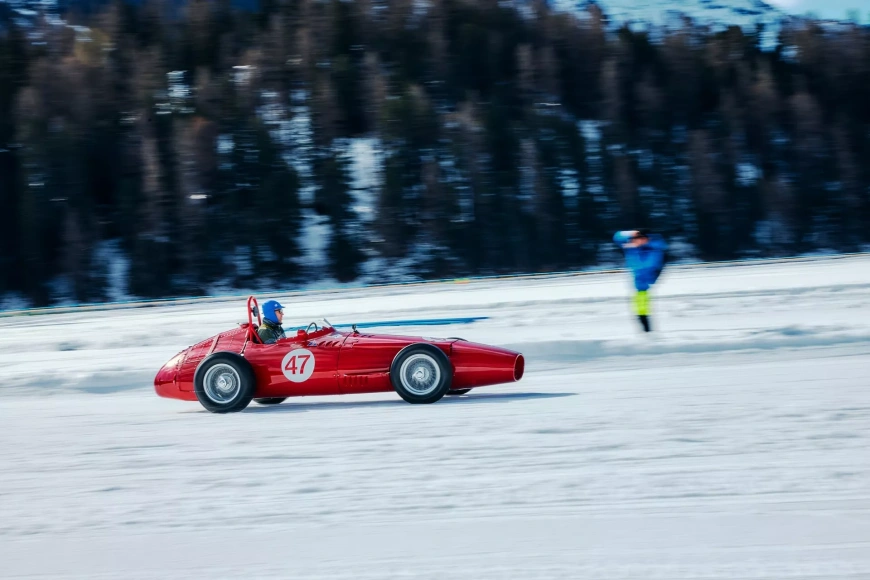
(645,257)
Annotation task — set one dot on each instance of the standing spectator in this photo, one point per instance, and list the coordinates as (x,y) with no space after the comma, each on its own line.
(645,257)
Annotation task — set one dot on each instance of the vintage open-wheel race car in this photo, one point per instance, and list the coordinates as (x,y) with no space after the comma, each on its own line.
(227,371)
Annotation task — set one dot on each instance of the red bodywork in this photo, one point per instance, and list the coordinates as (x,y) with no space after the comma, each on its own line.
(342,362)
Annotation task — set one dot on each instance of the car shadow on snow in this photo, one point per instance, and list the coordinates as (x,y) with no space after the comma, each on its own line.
(290,406)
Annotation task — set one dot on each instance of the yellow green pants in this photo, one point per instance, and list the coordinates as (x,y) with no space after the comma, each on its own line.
(641,303)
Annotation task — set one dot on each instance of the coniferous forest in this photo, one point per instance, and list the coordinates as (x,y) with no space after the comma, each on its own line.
(211,145)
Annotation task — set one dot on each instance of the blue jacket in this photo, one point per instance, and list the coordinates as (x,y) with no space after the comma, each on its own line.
(645,262)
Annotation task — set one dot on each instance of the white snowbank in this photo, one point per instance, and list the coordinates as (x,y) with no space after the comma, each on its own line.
(696,310)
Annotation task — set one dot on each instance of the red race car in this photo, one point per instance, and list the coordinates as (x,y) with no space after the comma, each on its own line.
(227,371)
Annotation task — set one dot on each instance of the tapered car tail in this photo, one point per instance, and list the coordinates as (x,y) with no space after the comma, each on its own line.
(478,365)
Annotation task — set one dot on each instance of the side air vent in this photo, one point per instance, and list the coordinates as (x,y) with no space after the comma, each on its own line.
(354,380)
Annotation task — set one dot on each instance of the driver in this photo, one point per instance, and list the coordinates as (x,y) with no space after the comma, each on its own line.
(273,314)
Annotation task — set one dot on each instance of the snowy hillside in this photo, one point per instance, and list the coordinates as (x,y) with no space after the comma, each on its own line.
(712,12)
(731,444)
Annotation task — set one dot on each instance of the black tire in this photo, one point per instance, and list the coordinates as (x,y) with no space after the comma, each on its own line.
(457,392)
(271,401)
(224,383)
(421,374)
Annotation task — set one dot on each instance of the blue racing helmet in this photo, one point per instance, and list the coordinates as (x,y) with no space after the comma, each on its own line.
(269,309)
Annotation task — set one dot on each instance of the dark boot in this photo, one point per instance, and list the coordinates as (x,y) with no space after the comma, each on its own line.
(644,321)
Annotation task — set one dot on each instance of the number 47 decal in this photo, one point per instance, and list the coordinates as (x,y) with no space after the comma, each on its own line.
(291,364)
(298,365)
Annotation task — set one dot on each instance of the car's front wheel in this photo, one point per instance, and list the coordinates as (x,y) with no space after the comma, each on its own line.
(421,373)
(224,383)
(457,392)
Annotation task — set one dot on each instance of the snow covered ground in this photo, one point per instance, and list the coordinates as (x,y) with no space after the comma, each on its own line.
(731,444)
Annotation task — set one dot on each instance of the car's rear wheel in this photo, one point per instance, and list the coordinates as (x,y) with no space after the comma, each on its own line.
(271,401)
(224,383)
(457,392)
(421,373)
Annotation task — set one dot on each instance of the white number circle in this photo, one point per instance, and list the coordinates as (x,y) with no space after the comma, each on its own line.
(298,365)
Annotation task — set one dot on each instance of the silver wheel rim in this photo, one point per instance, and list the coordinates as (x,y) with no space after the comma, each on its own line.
(420,374)
(222,383)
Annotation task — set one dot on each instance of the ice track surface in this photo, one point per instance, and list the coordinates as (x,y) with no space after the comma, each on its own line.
(732,444)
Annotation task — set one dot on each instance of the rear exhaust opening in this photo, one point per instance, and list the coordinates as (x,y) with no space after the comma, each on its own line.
(519,367)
